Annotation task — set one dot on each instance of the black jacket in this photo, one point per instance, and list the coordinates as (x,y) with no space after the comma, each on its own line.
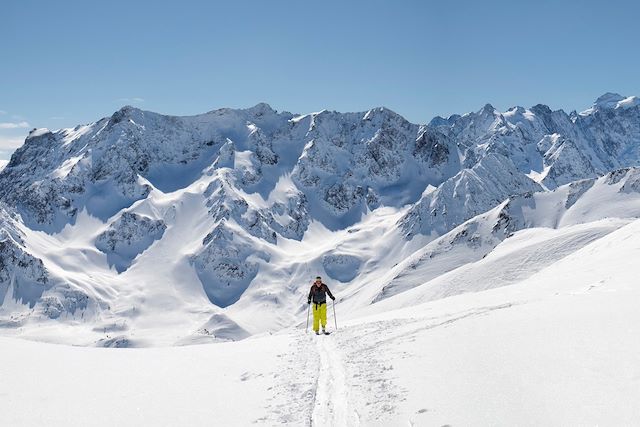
(319,294)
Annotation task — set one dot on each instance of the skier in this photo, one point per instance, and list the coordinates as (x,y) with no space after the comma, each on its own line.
(318,294)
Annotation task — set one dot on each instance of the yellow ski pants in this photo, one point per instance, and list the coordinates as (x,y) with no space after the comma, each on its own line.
(319,316)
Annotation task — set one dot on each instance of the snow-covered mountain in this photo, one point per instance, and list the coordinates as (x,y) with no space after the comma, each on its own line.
(585,210)
(144,229)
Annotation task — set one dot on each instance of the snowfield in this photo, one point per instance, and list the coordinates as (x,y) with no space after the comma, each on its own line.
(557,348)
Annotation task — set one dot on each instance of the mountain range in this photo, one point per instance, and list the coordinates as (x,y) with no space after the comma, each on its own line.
(144,229)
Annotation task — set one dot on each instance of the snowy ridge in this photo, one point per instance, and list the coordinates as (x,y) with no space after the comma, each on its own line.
(144,229)
(469,193)
(590,205)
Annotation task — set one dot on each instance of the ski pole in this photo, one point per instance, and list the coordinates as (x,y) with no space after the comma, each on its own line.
(306,328)
(335,320)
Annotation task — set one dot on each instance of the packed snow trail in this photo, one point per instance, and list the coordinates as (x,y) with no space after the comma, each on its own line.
(331,403)
(310,385)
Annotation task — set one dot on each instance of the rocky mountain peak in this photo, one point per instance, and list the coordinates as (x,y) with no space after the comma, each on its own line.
(260,109)
(608,100)
(488,109)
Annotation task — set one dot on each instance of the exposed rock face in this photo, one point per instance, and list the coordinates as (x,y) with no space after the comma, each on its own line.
(23,277)
(63,301)
(127,237)
(354,161)
(226,264)
(21,273)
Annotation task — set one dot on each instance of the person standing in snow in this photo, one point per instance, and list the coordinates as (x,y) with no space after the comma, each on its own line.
(318,295)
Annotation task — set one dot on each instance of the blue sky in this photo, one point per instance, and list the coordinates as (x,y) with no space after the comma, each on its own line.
(69,62)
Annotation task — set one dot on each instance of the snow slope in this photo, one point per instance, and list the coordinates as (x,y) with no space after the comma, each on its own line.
(557,348)
(612,199)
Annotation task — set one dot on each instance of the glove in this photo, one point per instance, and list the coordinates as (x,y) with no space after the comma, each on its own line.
(308,301)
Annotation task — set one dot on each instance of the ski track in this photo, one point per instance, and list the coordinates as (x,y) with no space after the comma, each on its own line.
(347,378)
(331,404)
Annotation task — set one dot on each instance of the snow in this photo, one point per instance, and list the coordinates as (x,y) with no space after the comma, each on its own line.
(256,202)
(3,164)
(559,347)
(163,387)
(629,102)
(65,167)
(612,101)
(517,114)
(331,400)
(484,261)
(71,135)
(539,176)
(38,132)
(552,345)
